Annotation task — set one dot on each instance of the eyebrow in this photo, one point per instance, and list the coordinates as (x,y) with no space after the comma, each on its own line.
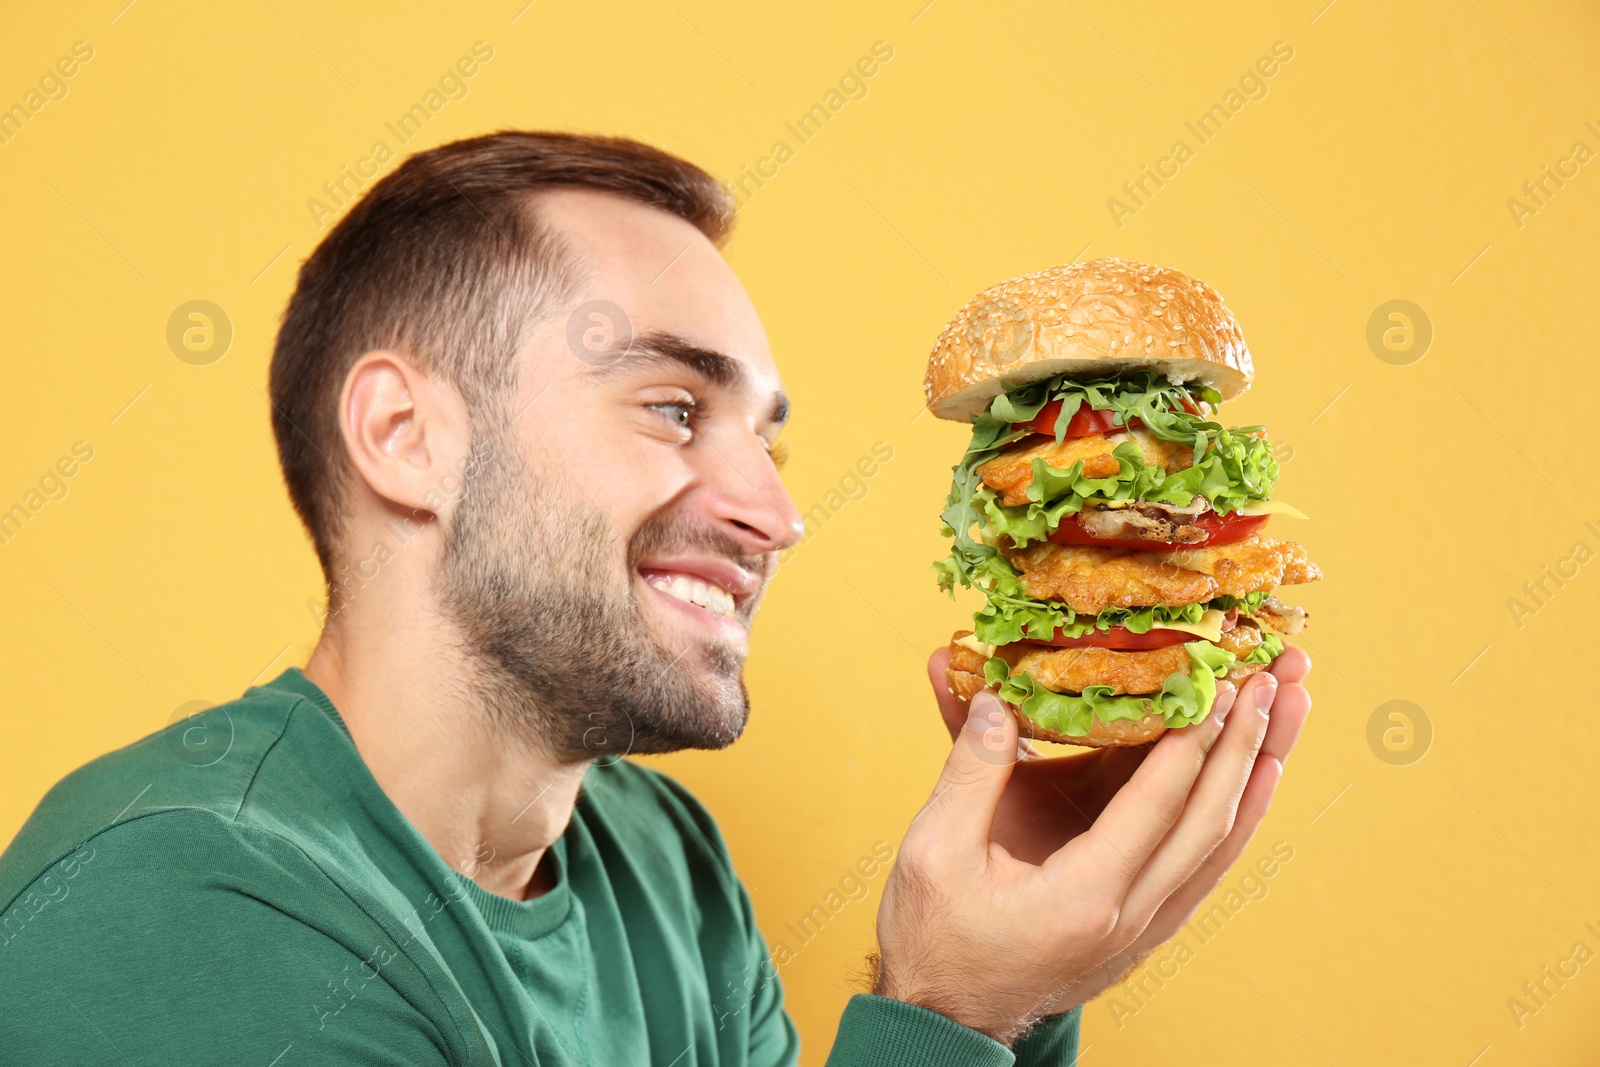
(659,347)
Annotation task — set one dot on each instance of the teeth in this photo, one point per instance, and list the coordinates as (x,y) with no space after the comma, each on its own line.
(694,591)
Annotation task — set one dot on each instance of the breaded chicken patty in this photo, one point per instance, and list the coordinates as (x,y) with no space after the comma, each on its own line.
(1072,670)
(1090,579)
(1011,472)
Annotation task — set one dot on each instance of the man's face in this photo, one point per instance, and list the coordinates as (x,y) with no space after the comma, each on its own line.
(623,514)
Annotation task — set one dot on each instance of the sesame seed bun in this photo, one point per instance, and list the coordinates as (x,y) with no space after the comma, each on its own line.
(1102,317)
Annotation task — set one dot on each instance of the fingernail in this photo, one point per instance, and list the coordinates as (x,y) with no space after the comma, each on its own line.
(1265,692)
(1223,690)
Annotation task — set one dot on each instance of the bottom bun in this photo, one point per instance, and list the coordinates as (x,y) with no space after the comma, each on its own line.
(966,684)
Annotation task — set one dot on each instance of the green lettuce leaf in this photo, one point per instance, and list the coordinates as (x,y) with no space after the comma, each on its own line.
(1009,614)
(1184,699)
(1231,468)
(1270,648)
(1248,604)
(1235,471)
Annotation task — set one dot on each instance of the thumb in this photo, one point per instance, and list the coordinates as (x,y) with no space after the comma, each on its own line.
(951,707)
(975,776)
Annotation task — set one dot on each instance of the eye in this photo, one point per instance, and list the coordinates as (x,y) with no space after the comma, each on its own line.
(680,413)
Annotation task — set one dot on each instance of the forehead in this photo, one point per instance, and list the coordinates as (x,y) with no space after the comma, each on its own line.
(661,271)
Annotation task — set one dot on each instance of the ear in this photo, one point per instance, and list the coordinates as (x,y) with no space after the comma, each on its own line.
(406,434)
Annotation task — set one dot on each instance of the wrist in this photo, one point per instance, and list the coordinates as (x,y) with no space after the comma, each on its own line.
(973,1011)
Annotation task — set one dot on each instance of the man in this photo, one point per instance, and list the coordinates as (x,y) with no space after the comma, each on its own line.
(527,414)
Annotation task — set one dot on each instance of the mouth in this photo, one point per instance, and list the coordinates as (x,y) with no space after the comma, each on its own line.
(711,590)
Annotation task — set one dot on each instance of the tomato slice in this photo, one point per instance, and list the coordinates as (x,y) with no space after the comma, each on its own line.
(1120,637)
(1084,422)
(1220,530)
(1226,529)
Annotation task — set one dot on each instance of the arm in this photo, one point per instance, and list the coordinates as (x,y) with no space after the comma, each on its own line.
(176,939)
(774,1041)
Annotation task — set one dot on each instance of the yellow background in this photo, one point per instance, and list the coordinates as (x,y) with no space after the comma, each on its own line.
(1420,897)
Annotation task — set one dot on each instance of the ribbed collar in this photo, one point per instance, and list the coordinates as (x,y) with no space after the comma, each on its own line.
(528,919)
(294,681)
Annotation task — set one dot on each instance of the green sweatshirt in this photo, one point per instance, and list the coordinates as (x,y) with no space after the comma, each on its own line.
(237,889)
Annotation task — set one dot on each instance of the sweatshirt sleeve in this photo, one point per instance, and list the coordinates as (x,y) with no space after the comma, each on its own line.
(1053,1043)
(177,937)
(878,1032)
(774,1041)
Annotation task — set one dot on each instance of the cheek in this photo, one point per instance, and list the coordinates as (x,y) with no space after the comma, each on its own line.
(629,480)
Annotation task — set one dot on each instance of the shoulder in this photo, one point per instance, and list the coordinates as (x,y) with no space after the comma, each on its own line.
(158,869)
(205,764)
(170,909)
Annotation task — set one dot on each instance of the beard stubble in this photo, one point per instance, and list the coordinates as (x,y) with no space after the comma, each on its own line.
(562,652)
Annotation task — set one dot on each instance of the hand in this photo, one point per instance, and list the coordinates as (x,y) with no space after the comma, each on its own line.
(1112,867)
(1049,801)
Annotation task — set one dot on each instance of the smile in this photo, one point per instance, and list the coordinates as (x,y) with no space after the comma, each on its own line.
(695,591)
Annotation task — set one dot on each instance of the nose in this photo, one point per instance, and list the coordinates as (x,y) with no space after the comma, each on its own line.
(746,497)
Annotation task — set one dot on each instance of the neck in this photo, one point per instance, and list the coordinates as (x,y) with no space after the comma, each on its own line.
(489,804)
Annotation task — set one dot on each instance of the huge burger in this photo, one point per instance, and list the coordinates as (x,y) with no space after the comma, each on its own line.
(1115,527)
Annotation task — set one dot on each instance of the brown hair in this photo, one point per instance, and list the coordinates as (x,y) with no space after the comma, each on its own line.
(446,262)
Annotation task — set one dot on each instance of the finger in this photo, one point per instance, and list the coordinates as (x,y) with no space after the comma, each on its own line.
(1117,765)
(1139,816)
(1181,905)
(951,709)
(1290,709)
(1213,805)
(964,801)
(954,711)
(1292,665)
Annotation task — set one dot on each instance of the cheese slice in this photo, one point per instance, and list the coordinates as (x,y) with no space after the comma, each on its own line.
(970,641)
(1272,507)
(1209,627)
